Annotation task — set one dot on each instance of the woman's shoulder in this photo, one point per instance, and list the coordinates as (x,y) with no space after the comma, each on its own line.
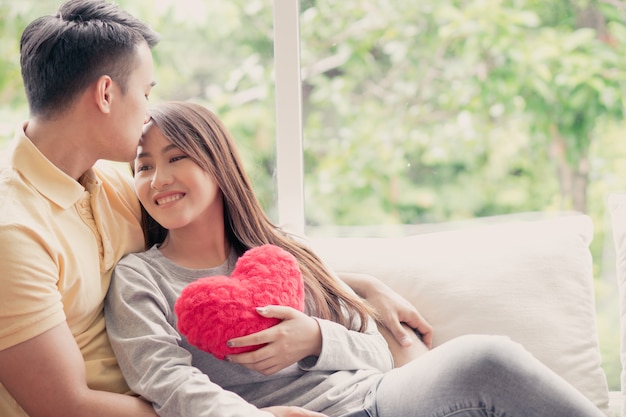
(138,270)
(138,260)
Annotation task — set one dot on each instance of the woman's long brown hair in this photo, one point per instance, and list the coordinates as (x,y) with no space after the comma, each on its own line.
(201,135)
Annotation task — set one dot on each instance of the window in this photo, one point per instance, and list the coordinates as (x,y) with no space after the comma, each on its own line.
(417,113)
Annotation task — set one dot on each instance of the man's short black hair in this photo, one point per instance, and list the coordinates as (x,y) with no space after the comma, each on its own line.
(62,54)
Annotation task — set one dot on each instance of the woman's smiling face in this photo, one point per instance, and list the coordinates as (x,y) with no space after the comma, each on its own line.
(174,190)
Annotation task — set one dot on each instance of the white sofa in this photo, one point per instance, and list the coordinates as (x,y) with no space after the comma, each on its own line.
(530,279)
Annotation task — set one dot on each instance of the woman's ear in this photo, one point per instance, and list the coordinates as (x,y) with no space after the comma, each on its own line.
(103,93)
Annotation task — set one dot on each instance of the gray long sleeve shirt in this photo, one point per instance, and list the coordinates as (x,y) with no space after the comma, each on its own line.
(183,381)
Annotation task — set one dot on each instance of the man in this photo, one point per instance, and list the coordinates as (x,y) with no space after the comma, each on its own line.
(65,221)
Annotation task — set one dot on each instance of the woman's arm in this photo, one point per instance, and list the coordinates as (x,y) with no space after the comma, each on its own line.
(316,344)
(152,361)
(329,345)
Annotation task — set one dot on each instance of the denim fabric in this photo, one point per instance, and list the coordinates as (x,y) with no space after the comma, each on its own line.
(477,376)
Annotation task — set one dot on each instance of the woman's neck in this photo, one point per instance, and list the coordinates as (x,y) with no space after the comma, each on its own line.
(196,251)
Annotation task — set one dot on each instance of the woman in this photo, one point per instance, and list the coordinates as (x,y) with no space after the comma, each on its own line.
(201,215)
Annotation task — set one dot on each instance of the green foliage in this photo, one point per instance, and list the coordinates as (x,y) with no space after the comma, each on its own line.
(446,84)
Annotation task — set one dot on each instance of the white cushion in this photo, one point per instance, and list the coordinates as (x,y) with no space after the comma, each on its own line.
(530,280)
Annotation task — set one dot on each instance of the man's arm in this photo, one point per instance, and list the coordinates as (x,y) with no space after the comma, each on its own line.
(46,376)
(392,309)
(403,354)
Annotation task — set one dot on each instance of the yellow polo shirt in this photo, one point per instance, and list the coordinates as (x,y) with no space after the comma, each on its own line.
(59,241)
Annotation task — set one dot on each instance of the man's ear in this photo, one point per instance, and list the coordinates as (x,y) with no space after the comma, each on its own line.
(103,93)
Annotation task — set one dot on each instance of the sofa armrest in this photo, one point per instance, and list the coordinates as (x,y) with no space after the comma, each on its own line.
(616,205)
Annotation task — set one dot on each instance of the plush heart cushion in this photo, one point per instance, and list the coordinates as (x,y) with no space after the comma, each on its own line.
(213,310)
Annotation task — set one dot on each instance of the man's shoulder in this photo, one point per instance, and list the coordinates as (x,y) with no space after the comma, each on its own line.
(116,172)
(15,194)
(117,182)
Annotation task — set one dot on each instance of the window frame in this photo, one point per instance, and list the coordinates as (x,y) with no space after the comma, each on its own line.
(288,85)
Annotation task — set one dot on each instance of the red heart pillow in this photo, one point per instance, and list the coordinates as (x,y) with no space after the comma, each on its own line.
(213,310)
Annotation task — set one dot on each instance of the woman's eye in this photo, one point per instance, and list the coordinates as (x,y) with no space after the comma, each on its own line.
(142,168)
(178,158)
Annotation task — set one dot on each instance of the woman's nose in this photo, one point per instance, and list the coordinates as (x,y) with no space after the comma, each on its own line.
(161,179)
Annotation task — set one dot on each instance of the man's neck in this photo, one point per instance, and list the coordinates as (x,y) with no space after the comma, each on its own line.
(62,143)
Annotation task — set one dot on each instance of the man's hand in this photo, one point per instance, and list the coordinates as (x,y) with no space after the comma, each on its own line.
(403,354)
(392,309)
(284,411)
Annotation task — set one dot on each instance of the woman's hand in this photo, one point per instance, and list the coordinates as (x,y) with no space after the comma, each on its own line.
(392,309)
(291,340)
(284,411)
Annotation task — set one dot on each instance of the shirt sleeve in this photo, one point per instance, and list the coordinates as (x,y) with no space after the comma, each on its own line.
(344,349)
(29,297)
(152,361)
(348,349)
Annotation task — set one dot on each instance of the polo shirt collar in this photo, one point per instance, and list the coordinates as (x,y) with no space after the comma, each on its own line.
(46,177)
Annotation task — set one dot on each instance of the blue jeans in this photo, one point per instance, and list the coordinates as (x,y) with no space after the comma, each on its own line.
(476,376)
